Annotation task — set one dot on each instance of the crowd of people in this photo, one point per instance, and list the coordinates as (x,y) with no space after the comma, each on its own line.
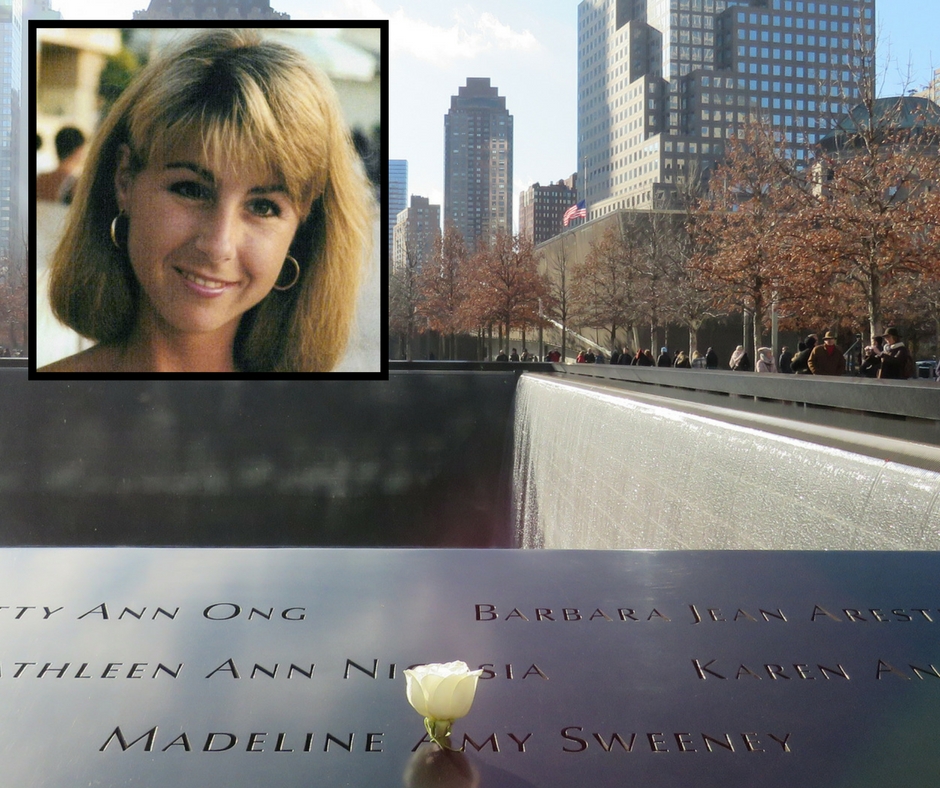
(887,358)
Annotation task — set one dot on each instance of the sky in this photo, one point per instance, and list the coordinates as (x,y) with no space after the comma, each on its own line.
(528,48)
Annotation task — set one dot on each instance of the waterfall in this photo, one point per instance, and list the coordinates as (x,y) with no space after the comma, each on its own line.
(598,467)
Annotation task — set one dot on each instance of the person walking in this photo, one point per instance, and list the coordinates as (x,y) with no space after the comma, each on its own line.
(740,361)
(765,360)
(711,359)
(896,360)
(799,363)
(871,362)
(827,359)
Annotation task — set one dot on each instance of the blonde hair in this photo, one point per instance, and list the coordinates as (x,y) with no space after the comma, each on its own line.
(249,101)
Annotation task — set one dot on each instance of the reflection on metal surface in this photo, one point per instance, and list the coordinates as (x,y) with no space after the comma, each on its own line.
(145,668)
(441,769)
(597,468)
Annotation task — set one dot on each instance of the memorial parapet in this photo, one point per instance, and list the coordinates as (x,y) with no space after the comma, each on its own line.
(196,667)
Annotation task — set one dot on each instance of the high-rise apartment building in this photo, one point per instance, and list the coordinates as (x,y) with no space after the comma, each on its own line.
(11,104)
(417,228)
(542,209)
(478,163)
(663,83)
(397,196)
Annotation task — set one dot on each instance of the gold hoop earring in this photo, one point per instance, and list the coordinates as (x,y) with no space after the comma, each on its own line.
(114,222)
(293,281)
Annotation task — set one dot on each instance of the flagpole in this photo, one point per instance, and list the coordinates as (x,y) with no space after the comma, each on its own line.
(585,185)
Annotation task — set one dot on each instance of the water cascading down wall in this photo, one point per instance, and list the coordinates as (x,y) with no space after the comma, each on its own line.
(426,459)
(598,467)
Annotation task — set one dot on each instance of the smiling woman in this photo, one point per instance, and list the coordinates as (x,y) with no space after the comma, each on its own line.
(222,221)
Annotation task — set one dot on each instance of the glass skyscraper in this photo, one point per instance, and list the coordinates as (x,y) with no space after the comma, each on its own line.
(397,196)
(663,83)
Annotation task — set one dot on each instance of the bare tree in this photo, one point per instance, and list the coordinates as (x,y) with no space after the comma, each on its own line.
(404,299)
(873,218)
(653,236)
(505,285)
(606,286)
(741,226)
(444,287)
(558,303)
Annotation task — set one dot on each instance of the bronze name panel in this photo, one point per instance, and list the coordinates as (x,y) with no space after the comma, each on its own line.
(245,667)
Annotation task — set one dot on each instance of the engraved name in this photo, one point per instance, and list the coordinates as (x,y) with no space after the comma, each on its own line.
(255,741)
(577,741)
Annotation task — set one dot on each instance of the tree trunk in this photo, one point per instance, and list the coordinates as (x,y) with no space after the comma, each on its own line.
(758,329)
(874,306)
(744,329)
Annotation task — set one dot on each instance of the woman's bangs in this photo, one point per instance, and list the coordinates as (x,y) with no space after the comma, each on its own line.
(246,118)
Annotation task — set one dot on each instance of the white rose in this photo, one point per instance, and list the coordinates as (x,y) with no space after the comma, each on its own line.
(442,691)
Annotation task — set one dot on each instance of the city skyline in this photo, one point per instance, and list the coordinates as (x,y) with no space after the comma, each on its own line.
(528,49)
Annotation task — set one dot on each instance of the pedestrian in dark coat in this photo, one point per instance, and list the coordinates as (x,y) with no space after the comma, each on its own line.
(711,359)
(871,362)
(800,362)
(896,360)
(827,359)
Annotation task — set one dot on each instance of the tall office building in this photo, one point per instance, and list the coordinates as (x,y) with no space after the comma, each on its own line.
(417,228)
(478,163)
(11,104)
(663,83)
(397,196)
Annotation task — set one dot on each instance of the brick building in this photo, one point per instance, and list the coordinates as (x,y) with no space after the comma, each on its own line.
(542,208)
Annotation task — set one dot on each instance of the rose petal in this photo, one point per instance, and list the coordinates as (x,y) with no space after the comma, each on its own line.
(440,702)
(462,699)
(415,693)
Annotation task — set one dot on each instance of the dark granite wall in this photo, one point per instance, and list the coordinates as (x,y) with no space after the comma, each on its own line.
(423,459)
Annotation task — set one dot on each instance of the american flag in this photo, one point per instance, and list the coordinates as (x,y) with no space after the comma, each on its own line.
(578,211)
